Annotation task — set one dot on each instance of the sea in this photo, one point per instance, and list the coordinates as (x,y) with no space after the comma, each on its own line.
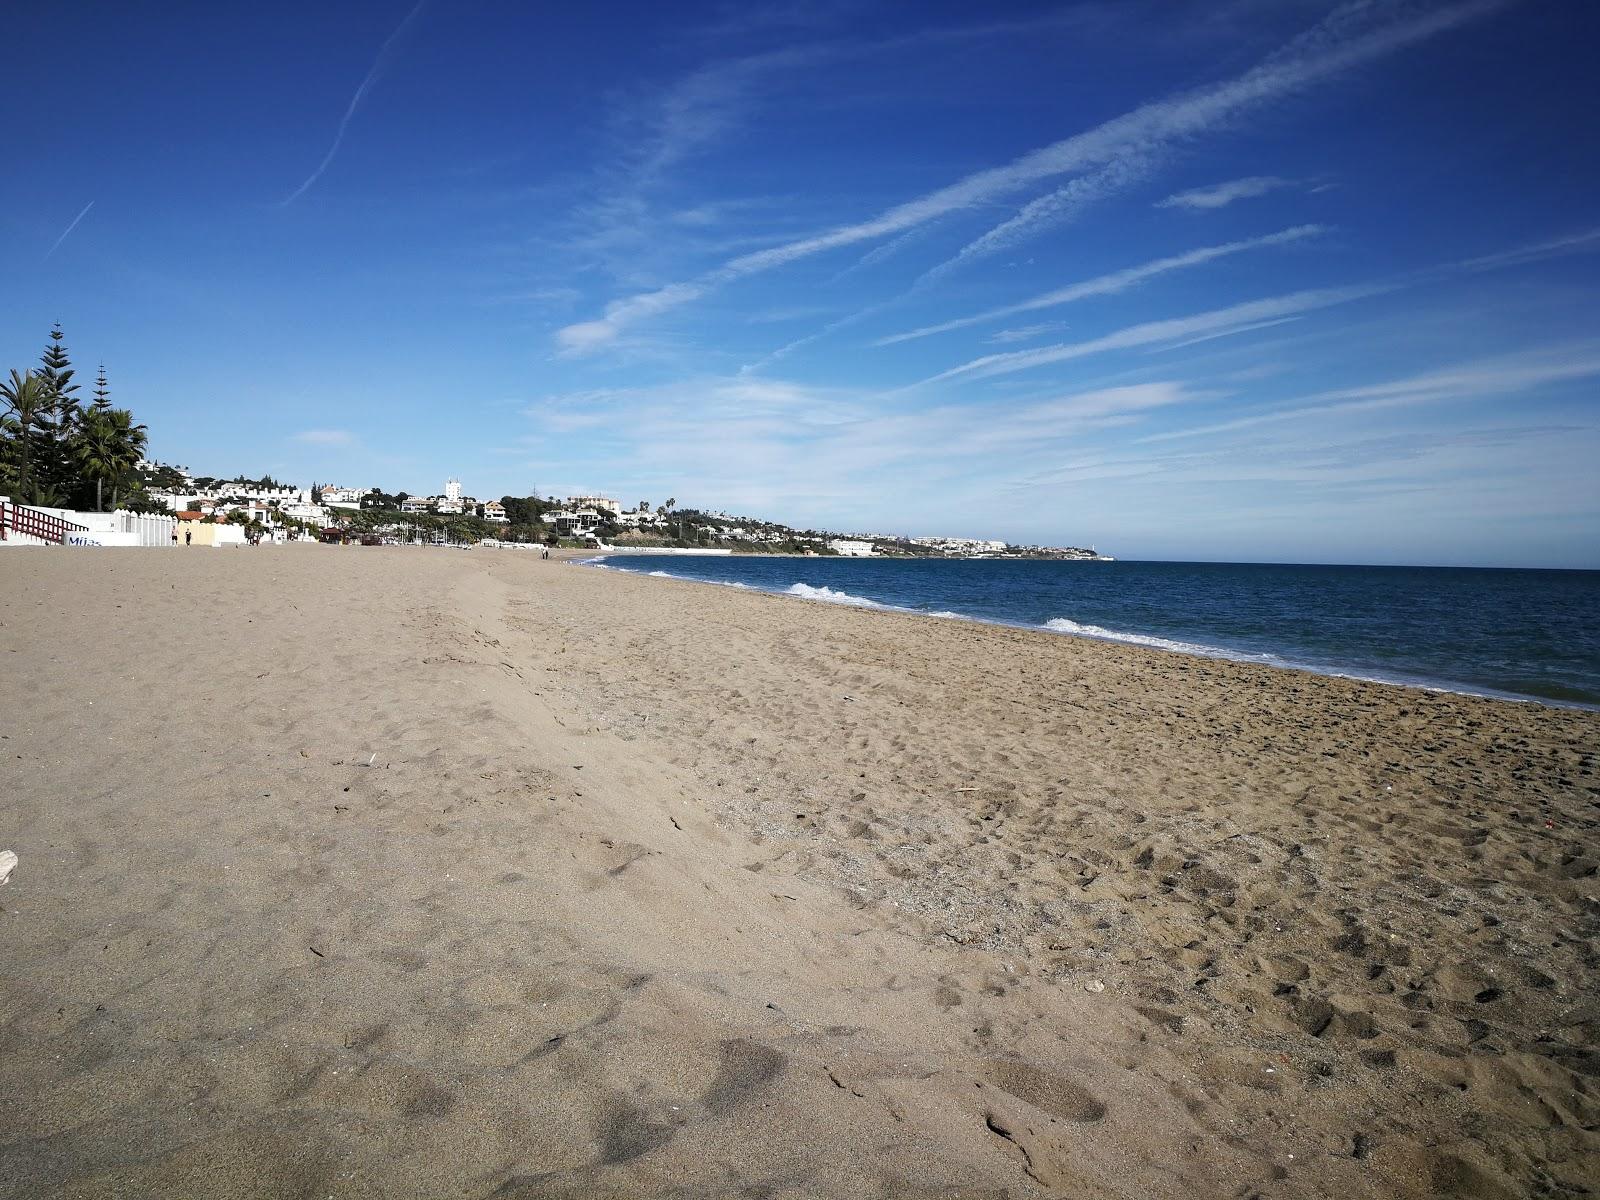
(1514,634)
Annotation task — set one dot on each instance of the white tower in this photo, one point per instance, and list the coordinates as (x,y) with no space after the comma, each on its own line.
(452,489)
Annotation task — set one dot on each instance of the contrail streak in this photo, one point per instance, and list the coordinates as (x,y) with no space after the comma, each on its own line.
(355,102)
(69,229)
(1101,159)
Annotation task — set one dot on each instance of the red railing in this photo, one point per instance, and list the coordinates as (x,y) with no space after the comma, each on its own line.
(18,518)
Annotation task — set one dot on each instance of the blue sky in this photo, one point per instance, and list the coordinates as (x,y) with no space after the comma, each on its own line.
(1239,280)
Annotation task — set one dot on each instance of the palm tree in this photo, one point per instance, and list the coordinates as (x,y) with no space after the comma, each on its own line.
(129,441)
(98,451)
(29,400)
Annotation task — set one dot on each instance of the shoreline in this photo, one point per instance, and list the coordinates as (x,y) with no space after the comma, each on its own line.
(1143,641)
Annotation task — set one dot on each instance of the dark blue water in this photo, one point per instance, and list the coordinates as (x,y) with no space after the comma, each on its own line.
(1532,635)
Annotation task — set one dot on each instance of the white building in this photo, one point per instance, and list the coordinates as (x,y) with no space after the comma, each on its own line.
(306,511)
(493,510)
(641,519)
(251,491)
(343,497)
(614,507)
(187,499)
(949,545)
(452,490)
(255,510)
(574,523)
(850,548)
(416,504)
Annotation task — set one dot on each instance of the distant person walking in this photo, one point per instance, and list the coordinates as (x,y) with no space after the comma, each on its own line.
(188,536)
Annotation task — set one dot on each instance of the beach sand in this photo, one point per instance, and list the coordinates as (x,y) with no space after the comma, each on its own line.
(369,872)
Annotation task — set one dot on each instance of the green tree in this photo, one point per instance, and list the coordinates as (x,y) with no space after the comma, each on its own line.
(97,452)
(524,510)
(102,392)
(27,397)
(129,441)
(107,449)
(59,419)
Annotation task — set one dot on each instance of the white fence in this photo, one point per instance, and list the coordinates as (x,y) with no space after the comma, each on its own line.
(119,528)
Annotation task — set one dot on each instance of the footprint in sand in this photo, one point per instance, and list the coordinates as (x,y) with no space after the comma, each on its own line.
(623,1133)
(1050,1093)
(1035,1111)
(745,1068)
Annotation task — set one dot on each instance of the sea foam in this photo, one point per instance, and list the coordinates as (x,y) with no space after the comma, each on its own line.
(1065,625)
(832,597)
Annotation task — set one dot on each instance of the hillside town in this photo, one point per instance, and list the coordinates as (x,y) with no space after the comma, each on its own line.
(79,473)
(275,511)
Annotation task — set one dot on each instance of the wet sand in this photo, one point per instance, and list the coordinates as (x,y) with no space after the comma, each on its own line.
(396,872)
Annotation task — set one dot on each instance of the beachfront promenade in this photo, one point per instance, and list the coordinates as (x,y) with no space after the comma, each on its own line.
(369,871)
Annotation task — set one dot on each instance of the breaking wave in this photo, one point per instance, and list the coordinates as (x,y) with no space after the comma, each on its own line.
(1064,625)
(808,592)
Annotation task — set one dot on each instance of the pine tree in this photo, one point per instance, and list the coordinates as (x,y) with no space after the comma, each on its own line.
(59,422)
(102,391)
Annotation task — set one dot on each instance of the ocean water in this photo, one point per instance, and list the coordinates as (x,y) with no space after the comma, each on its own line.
(1526,635)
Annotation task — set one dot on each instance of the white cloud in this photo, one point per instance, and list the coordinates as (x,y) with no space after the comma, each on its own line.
(806,453)
(1053,208)
(1505,375)
(1115,281)
(1129,147)
(1577,243)
(1235,318)
(1082,464)
(1229,331)
(587,335)
(1024,333)
(697,109)
(1220,195)
(326,437)
(1119,148)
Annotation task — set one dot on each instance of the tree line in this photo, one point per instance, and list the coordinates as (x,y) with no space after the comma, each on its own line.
(380,512)
(57,451)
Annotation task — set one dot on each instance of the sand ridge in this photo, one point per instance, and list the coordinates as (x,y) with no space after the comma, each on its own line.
(403,872)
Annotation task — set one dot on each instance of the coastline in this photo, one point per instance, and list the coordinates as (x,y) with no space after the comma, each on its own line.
(1058,628)
(428,872)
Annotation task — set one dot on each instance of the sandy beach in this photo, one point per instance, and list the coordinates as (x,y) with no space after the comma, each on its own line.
(374,872)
